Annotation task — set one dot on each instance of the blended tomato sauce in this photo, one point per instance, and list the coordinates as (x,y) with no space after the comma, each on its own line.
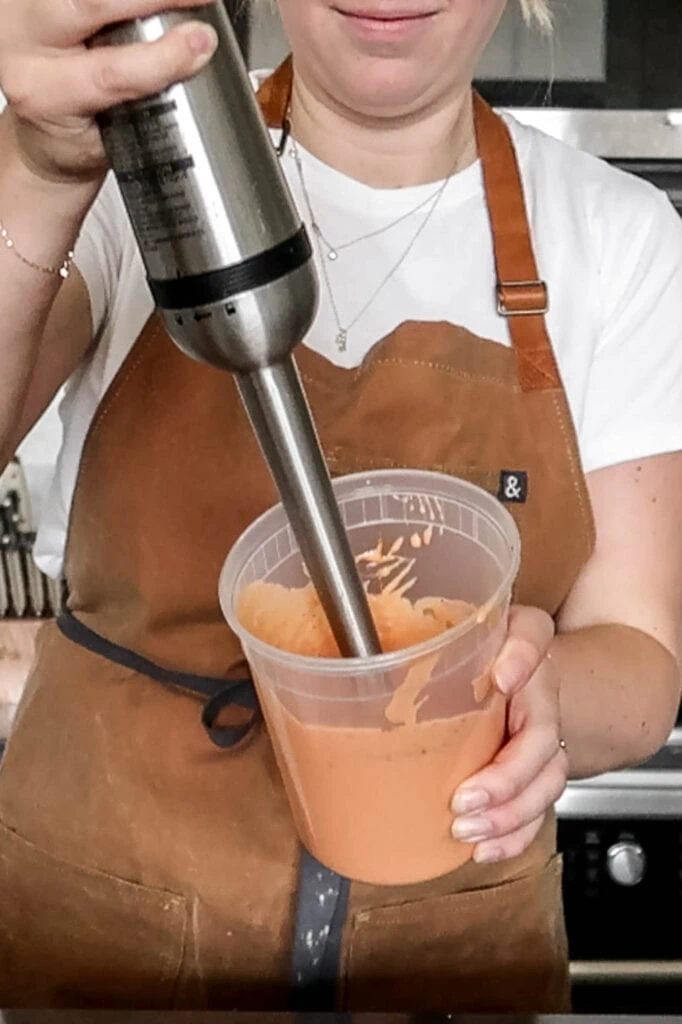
(373,803)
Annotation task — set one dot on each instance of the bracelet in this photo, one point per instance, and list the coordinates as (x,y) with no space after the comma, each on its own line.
(63,270)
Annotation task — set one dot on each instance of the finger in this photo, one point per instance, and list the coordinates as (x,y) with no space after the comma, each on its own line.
(531,631)
(495,850)
(515,815)
(70,22)
(514,768)
(94,80)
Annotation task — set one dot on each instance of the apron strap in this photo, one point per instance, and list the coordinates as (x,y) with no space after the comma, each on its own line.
(222,693)
(239,693)
(274,95)
(318,936)
(522,297)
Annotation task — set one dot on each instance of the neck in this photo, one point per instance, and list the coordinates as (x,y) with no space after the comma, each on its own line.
(386,152)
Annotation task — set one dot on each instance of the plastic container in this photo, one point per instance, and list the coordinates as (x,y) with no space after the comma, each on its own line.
(370,794)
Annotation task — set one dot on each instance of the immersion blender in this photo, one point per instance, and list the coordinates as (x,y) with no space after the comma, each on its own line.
(229,264)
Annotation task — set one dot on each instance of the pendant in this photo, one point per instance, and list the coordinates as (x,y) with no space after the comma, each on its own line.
(341,340)
(332,255)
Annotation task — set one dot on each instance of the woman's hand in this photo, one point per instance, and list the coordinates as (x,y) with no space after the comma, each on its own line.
(501,809)
(54,85)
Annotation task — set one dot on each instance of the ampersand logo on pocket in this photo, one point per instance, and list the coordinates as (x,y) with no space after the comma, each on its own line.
(513,486)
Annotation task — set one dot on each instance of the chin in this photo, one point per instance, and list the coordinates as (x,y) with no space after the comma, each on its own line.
(377,73)
(383,87)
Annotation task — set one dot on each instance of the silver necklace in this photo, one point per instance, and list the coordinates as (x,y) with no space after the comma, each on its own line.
(343,331)
(333,251)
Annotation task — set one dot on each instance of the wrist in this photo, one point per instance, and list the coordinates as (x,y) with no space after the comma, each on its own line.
(69,200)
(67,197)
(609,719)
(40,218)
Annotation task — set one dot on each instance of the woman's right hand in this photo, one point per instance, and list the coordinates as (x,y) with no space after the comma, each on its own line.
(55,86)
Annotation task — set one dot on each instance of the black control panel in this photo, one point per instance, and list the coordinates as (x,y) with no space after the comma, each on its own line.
(623,888)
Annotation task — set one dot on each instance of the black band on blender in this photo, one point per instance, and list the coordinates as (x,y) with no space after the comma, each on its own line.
(219,285)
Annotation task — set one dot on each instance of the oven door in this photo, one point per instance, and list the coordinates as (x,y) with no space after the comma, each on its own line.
(621,838)
(604,54)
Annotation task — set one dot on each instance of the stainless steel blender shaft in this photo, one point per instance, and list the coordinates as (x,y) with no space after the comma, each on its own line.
(279,413)
(229,264)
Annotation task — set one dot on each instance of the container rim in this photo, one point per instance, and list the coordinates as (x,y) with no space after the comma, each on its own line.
(432,484)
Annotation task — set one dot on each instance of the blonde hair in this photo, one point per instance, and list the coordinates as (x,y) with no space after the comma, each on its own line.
(537,11)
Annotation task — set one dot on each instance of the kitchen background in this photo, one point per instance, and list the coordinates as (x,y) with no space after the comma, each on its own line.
(608,80)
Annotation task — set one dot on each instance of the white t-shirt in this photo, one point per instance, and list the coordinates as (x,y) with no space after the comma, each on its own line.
(608,244)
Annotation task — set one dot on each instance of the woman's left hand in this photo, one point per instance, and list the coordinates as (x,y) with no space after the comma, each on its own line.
(501,809)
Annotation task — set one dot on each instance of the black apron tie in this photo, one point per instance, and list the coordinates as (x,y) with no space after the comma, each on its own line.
(221,693)
(240,693)
(322,898)
(320,918)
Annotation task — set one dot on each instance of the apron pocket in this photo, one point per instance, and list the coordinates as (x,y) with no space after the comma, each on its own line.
(75,937)
(496,950)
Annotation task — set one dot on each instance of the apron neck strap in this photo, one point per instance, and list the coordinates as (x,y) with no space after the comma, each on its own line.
(274,95)
(522,296)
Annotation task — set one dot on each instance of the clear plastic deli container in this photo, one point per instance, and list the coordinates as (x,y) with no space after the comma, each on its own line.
(371,750)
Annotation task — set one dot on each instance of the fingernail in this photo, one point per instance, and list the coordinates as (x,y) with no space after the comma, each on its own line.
(510,673)
(202,42)
(467,800)
(472,830)
(488,854)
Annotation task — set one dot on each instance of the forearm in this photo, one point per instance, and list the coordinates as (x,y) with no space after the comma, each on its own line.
(620,691)
(43,220)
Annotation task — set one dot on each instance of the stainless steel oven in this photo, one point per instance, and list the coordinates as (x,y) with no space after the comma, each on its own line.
(603,54)
(645,142)
(621,838)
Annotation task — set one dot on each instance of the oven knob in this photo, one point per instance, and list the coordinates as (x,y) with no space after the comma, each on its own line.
(626,863)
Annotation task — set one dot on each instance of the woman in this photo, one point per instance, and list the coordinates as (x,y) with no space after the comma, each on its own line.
(140,866)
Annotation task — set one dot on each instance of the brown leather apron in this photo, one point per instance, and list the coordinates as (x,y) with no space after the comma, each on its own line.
(141,865)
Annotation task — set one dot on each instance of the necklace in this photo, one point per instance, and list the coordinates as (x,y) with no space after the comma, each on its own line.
(432,202)
(333,251)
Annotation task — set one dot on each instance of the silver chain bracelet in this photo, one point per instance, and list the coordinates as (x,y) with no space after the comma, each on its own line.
(63,270)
